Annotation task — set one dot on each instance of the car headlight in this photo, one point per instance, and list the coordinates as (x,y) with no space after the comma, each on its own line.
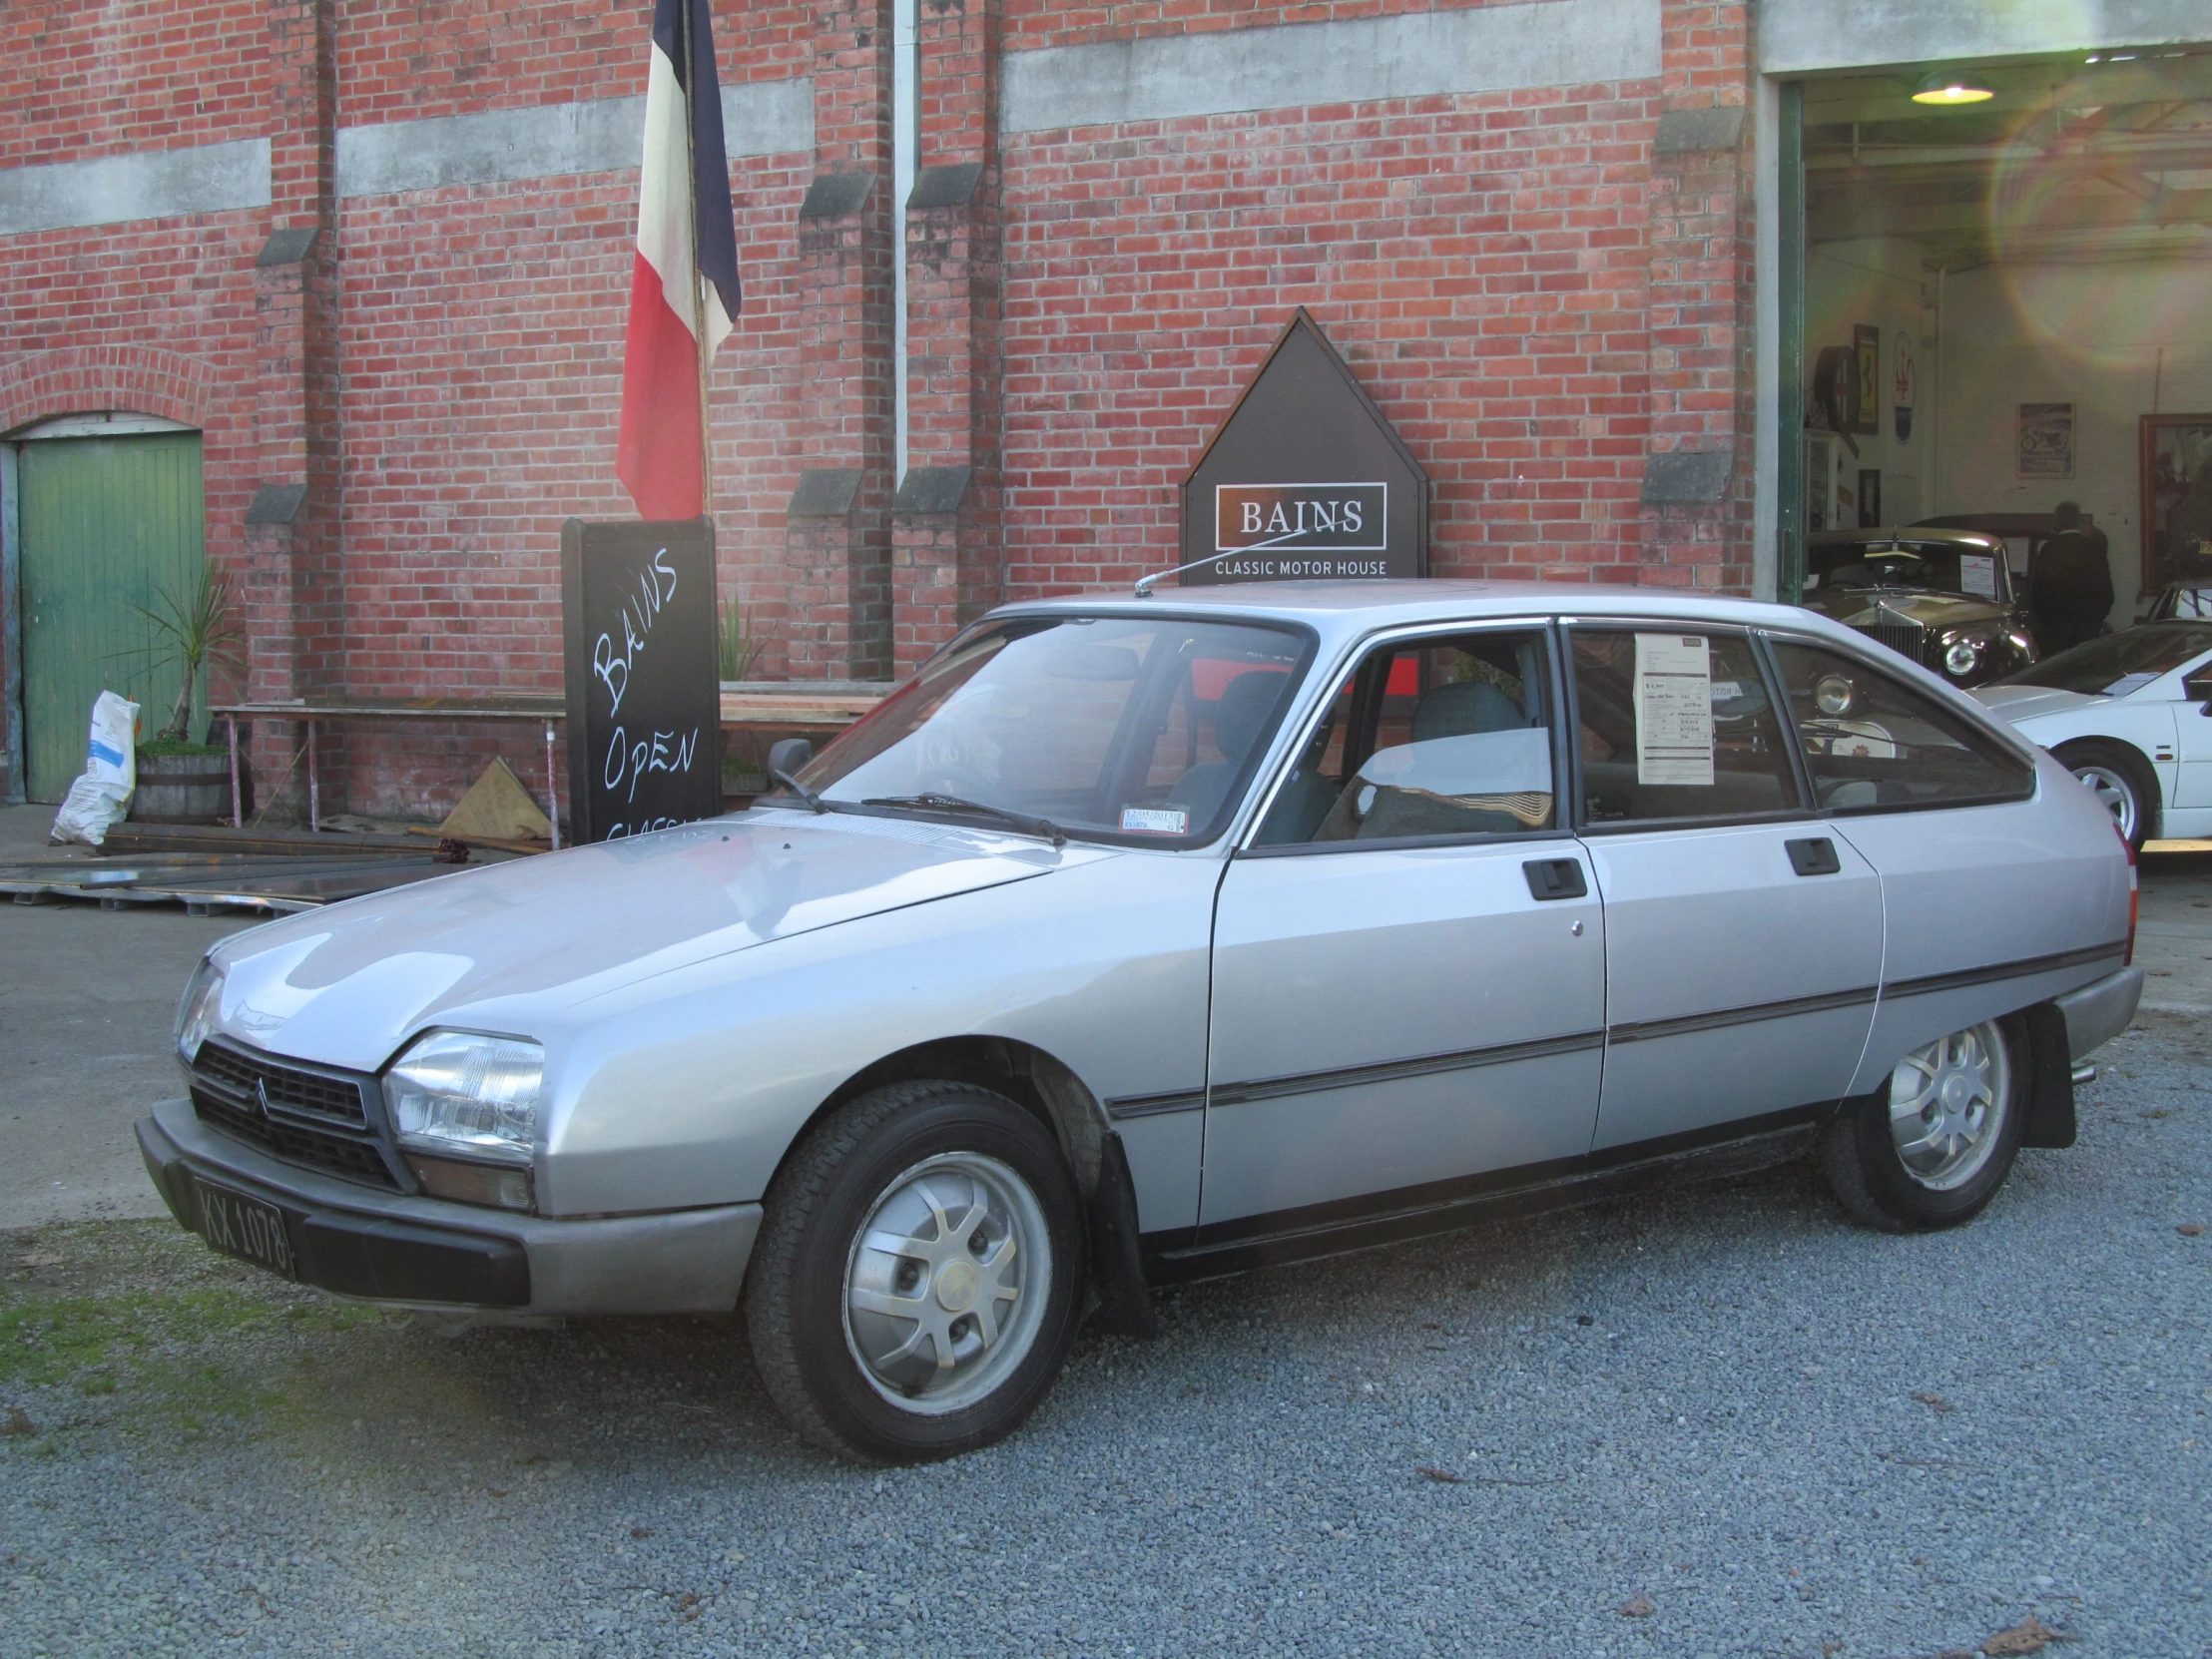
(456,1094)
(195,1009)
(1962,657)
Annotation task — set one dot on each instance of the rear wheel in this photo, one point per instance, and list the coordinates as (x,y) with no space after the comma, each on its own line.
(2116,776)
(1932,1148)
(916,1284)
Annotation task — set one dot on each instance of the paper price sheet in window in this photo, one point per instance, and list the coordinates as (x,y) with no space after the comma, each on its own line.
(1674,709)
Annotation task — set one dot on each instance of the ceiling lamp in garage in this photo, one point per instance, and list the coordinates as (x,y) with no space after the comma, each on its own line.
(1951,88)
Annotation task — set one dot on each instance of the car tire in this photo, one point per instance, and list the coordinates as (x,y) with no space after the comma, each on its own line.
(1931,1146)
(2121,779)
(917,1277)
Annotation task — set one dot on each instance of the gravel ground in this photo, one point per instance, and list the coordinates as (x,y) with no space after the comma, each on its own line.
(1763,1431)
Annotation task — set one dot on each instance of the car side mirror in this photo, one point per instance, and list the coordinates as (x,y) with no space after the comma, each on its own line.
(2198,689)
(788,755)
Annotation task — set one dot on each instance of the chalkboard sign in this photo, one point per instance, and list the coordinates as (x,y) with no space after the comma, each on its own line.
(1306,479)
(644,690)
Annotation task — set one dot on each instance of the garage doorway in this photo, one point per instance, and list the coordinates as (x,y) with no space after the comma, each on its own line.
(1995,295)
(109,516)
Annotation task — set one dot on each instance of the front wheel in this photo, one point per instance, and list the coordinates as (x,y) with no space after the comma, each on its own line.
(2117,776)
(916,1281)
(1932,1148)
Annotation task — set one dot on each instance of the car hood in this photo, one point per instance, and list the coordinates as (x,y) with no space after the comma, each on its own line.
(2018,703)
(1862,607)
(347,985)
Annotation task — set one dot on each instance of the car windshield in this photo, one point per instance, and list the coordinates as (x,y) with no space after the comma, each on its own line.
(2113,664)
(1137,729)
(1935,566)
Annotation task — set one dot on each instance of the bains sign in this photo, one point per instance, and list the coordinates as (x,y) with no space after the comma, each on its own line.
(644,694)
(1304,480)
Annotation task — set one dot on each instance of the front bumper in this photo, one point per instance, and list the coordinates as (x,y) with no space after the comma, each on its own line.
(2100,1011)
(424,1252)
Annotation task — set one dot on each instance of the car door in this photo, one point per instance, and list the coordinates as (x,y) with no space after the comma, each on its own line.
(1743,942)
(1993,897)
(2192,787)
(1408,958)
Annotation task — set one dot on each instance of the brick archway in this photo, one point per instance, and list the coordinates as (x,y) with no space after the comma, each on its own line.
(144,379)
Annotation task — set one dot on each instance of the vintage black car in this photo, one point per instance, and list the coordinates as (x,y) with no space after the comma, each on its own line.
(1943,598)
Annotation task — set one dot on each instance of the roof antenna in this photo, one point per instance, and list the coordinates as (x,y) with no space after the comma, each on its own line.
(1143,583)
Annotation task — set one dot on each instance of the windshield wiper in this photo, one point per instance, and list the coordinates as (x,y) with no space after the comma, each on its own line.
(800,789)
(955,803)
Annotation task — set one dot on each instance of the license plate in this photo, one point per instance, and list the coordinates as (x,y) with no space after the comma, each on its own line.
(246,1227)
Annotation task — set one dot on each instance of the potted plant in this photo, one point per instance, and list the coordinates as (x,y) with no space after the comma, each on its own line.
(180,780)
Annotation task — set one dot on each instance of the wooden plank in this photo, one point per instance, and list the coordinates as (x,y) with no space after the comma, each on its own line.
(128,839)
(800,702)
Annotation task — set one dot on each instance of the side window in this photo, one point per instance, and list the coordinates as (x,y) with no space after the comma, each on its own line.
(1676,726)
(1871,742)
(1438,737)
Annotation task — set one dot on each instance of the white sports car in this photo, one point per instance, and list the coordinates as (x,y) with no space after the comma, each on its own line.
(2130,715)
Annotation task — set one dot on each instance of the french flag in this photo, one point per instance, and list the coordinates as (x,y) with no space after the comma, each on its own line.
(683,286)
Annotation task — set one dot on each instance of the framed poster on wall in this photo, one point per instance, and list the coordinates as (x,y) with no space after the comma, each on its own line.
(1865,345)
(2046,441)
(2177,498)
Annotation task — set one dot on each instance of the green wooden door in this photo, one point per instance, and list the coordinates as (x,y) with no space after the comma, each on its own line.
(107,524)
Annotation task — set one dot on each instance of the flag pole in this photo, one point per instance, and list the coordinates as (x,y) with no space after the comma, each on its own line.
(698,293)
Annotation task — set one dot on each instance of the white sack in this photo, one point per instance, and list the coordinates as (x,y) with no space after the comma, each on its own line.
(97,800)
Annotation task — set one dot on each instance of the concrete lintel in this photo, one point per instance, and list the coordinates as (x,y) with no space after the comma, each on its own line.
(276,504)
(1547,43)
(931,489)
(945,186)
(1691,132)
(550,141)
(151,183)
(825,492)
(833,195)
(1688,478)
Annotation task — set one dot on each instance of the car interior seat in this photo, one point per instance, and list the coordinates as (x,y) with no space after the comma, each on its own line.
(1239,715)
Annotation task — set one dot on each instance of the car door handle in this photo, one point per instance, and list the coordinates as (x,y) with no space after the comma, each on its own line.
(1555,879)
(1816,857)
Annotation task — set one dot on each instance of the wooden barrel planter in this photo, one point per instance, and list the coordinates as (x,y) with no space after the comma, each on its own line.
(183,788)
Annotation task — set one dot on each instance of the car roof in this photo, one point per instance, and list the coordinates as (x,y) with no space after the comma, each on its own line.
(1337,609)
(1911,536)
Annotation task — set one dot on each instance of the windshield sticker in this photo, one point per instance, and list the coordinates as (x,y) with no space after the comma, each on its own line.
(1727,691)
(1155,821)
(1674,709)
(1978,574)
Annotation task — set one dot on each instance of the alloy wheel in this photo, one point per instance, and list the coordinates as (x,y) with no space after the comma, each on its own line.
(946,1282)
(1947,1106)
(2117,795)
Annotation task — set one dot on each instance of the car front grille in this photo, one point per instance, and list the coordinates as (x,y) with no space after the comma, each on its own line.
(1907,639)
(303,1117)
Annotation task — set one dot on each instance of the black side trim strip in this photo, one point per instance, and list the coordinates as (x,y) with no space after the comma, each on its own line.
(1645,1030)
(1414,1212)
(1387,1071)
(1150,1105)
(2005,970)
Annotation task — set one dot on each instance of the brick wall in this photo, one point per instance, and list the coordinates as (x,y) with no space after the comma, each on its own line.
(80,80)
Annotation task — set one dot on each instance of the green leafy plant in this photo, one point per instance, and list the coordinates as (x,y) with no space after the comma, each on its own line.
(195,629)
(737,647)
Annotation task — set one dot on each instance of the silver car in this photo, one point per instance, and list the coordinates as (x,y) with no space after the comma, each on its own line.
(1141,939)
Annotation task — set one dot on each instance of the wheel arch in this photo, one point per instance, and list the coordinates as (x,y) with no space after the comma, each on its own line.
(1033,1078)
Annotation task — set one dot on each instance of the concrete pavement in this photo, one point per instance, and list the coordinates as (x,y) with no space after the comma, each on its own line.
(87,997)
